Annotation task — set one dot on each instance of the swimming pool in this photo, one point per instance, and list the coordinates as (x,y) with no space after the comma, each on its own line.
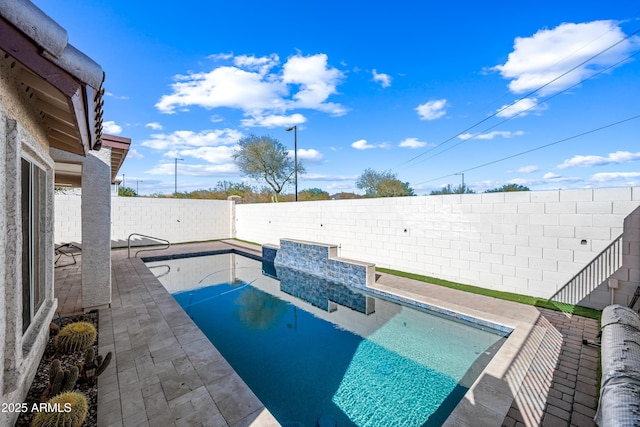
(311,349)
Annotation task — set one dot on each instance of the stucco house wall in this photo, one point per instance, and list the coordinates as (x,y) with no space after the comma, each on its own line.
(50,97)
(21,134)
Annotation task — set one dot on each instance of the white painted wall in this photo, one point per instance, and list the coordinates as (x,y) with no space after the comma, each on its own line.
(524,242)
(176,220)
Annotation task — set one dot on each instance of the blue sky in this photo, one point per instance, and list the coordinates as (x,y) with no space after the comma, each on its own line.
(424,89)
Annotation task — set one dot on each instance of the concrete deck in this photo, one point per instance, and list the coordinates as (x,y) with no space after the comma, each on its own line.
(165,371)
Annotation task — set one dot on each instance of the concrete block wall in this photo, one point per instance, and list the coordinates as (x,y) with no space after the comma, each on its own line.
(68,218)
(176,220)
(628,277)
(530,243)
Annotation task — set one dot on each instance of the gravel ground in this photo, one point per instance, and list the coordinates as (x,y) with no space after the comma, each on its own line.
(41,380)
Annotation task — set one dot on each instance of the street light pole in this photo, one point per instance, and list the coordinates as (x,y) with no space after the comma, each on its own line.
(175,192)
(138,181)
(295,155)
(462,173)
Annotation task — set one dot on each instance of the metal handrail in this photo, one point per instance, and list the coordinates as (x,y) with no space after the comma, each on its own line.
(167,266)
(145,250)
(608,261)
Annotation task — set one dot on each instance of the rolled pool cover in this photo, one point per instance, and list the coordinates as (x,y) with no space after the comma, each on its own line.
(619,404)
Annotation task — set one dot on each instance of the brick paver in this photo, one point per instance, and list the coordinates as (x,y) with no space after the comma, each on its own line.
(165,372)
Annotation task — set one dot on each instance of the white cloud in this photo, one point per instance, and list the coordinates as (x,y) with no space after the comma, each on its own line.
(194,170)
(322,177)
(116,96)
(528,169)
(503,134)
(274,121)
(154,126)
(186,139)
(382,78)
(134,154)
(491,135)
(258,87)
(550,180)
(317,82)
(262,64)
(614,176)
(220,56)
(521,108)
(310,155)
(432,110)
(589,161)
(362,144)
(111,128)
(412,143)
(222,154)
(225,87)
(549,53)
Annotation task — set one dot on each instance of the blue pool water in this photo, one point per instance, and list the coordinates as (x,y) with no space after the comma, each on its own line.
(309,348)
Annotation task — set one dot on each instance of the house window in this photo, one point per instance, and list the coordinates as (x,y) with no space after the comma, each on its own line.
(33,195)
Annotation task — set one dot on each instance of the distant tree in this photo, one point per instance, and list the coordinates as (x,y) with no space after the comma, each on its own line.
(344,196)
(460,189)
(126,192)
(313,194)
(508,187)
(229,188)
(263,194)
(265,158)
(382,184)
(394,188)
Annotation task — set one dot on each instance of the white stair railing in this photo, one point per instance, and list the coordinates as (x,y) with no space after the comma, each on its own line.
(591,276)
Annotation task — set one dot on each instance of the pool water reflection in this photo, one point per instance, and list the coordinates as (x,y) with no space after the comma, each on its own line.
(310,348)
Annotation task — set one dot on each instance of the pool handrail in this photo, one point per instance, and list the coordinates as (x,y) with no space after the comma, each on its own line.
(168,244)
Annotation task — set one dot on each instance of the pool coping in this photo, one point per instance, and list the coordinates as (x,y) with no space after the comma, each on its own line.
(488,398)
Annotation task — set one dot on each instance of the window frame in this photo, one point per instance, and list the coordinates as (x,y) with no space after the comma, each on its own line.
(33,208)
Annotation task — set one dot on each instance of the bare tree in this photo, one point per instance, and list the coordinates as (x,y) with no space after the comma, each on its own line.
(265,158)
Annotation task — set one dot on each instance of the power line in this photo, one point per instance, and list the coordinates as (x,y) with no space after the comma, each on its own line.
(544,100)
(535,149)
(523,97)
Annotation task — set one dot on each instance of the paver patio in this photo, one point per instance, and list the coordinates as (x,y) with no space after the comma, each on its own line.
(166,372)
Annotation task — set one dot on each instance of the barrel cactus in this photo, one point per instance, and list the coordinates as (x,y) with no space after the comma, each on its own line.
(77,336)
(68,409)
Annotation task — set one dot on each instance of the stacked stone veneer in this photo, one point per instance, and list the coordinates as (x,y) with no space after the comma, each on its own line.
(321,260)
(323,293)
